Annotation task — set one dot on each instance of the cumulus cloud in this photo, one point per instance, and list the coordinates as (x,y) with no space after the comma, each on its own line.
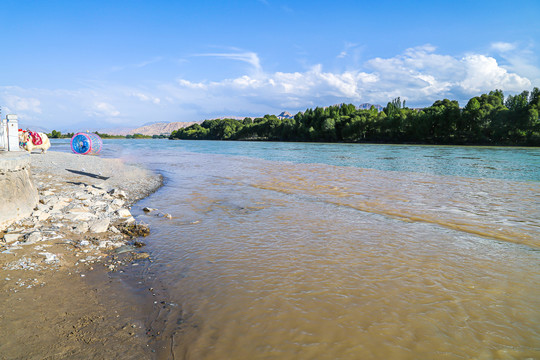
(419,74)
(519,59)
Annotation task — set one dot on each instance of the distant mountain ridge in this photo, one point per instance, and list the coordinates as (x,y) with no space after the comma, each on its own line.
(152,129)
(367,106)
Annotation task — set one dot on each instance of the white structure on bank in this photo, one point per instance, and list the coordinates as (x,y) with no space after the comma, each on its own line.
(9,133)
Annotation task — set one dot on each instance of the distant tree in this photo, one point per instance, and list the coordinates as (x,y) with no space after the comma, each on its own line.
(55,134)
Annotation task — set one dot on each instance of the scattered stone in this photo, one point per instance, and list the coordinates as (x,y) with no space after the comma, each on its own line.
(167,216)
(33,237)
(40,215)
(138,244)
(118,193)
(23,263)
(59,206)
(81,228)
(124,213)
(83,196)
(139,256)
(147,209)
(42,207)
(100,225)
(81,217)
(117,204)
(12,237)
(129,220)
(134,230)
(49,257)
(50,200)
(124,249)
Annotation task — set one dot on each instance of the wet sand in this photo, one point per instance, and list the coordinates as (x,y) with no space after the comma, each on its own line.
(62,294)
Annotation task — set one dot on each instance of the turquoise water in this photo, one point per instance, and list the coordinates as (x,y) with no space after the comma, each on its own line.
(510,163)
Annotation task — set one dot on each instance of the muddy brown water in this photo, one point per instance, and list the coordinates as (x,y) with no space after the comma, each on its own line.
(277,260)
(311,255)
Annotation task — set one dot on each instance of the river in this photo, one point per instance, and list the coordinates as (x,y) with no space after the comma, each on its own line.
(344,251)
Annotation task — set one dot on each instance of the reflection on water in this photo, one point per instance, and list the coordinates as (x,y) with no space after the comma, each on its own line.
(287,260)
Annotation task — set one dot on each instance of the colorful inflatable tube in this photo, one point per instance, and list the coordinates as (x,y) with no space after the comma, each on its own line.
(86,143)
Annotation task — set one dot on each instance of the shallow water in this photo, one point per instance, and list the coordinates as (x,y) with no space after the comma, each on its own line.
(335,251)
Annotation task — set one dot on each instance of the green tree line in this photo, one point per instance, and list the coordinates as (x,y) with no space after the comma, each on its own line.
(58,135)
(488,119)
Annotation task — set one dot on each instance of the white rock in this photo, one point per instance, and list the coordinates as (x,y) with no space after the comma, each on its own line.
(97,192)
(124,213)
(84,243)
(47,193)
(40,215)
(129,220)
(81,228)
(109,209)
(11,237)
(42,207)
(49,257)
(79,209)
(82,196)
(114,230)
(33,237)
(81,217)
(117,204)
(50,200)
(100,225)
(118,193)
(59,206)
(87,203)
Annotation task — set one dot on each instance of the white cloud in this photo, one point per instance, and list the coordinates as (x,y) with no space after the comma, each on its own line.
(519,59)
(503,46)
(144,97)
(419,74)
(482,72)
(248,57)
(101,109)
(22,104)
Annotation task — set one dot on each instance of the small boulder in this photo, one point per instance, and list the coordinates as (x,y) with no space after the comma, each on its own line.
(118,193)
(81,228)
(123,213)
(33,237)
(100,225)
(141,256)
(12,237)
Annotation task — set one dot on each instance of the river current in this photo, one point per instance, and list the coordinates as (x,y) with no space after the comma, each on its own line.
(344,251)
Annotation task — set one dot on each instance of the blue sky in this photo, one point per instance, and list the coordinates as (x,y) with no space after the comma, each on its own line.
(73,65)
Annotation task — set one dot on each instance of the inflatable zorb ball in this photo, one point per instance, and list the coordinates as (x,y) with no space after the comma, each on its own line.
(86,144)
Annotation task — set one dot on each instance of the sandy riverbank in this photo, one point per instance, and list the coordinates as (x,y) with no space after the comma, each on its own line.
(59,298)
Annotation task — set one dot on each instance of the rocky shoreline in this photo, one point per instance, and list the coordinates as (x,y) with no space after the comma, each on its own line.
(81,229)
